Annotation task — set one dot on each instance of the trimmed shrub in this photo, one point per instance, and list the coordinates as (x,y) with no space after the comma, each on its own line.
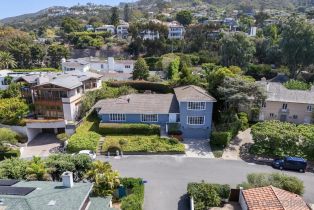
(204,195)
(9,154)
(297,85)
(142,86)
(221,138)
(128,129)
(222,190)
(135,200)
(243,117)
(63,136)
(83,141)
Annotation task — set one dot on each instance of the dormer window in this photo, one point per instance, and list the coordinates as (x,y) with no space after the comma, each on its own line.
(196,105)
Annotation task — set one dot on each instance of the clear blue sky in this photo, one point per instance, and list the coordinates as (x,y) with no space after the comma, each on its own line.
(10,8)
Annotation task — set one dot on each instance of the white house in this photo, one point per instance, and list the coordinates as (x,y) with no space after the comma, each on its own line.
(123,30)
(149,35)
(176,31)
(96,64)
(106,28)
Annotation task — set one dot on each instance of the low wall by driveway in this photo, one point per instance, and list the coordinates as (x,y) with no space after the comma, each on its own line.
(19,129)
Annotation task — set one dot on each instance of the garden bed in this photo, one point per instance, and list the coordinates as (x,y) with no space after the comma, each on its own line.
(142,145)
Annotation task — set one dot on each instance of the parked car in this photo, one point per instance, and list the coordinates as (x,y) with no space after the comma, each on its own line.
(90,153)
(291,163)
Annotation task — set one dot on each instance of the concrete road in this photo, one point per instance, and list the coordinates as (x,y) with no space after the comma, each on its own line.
(167,176)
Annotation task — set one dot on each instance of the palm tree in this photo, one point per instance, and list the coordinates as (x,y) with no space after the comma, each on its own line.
(6,60)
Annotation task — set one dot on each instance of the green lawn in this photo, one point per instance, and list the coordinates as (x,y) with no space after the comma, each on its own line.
(149,144)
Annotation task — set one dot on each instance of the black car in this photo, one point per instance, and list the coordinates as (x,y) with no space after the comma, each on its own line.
(290,163)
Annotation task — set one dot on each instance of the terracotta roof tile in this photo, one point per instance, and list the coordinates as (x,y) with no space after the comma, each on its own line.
(272,198)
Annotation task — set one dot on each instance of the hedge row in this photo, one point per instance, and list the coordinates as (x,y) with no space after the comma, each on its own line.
(135,200)
(128,129)
(83,141)
(222,138)
(143,85)
(9,154)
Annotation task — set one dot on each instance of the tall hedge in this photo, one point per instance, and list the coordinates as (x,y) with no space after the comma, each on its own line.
(127,129)
(221,138)
(143,86)
(135,200)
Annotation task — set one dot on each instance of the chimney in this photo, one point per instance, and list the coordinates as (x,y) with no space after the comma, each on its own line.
(111,64)
(67,179)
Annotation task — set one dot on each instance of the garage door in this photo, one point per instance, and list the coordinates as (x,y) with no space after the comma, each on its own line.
(48,130)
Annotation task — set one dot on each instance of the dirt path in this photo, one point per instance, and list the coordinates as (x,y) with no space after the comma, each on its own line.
(232,152)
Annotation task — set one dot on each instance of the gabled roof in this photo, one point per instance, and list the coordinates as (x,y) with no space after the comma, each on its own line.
(48,192)
(139,104)
(273,198)
(192,93)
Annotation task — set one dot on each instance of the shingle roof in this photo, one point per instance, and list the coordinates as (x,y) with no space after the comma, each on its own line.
(278,92)
(65,198)
(272,198)
(99,203)
(140,104)
(192,93)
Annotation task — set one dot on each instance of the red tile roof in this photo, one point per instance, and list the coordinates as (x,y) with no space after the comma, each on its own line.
(272,198)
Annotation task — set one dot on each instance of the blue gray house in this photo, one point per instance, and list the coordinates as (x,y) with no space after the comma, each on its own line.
(190,106)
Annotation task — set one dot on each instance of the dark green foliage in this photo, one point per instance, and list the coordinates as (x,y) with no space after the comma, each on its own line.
(13,168)
(9,154)
(221,138)
(184,17)
(279,180)
(174,129)
(70,25)
(151,62)
(205,195)
(128,129)
(56,53)
(141,70)
(143,85)
(297,85)
(258,71)
(114,16)
(135,200)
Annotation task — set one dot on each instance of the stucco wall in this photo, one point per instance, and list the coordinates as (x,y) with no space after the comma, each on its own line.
(293,109)
(32,133)
(196,131)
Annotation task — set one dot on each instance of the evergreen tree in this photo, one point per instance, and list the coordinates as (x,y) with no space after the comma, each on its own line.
(127,13)
(114,16)
(141,69)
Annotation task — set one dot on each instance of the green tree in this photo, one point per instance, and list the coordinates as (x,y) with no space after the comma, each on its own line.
(12,110)
(184,17)
(106,180)
(216,77)
(70,25)
(127,13)
(236,49)
(37,55)
(56,53)
(114,16)
(173,69)
(141,69)
(7,60)
(297,45)
(13,91)
(187,78)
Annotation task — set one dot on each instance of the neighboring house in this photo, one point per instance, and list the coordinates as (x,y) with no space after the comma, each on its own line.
(106,28)
(123,30)
(116,76)
(47,195)
(4,75)
(287,105)
(57,100)
(96,64)
(270,197)
(175,30)
(190,106)
(231,23)
(149,35)
(89,28)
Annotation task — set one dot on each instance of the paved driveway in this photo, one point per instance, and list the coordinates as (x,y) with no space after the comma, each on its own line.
(167,176)
(41,146)
(198,148)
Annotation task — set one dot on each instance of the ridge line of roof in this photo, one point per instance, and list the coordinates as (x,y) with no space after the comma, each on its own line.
(272,189)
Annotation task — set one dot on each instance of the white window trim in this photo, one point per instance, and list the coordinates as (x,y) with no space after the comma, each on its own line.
(148,121)
(117,120)
(196,102)
(187,120)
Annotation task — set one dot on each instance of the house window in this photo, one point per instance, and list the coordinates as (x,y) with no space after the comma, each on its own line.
(196,105)
(149,117)
(102,66)
(295,117)
(264,104)
(309,108)
(284,106)
(271,114)
(127,66)
(117,117)
(196,120)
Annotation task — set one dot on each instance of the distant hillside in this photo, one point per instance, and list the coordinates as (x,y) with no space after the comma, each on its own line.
(24,17)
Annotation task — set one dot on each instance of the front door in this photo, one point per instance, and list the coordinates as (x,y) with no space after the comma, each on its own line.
(283,117)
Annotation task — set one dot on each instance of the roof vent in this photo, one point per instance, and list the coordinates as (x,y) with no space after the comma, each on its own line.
(67,179)
(52,203)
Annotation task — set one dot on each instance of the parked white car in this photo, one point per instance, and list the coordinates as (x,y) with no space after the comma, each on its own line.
(90,153)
